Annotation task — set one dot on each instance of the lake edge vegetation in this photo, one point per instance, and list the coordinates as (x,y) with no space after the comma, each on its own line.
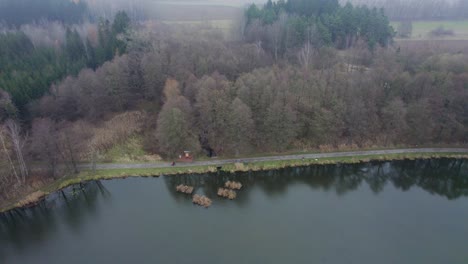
(38,195)
(305,76)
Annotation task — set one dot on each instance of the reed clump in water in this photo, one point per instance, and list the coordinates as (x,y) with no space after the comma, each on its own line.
(233,185)
(201,200)
(226,193)
(184,189)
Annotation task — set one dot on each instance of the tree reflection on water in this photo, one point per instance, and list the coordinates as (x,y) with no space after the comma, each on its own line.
(444,177)
(21,228)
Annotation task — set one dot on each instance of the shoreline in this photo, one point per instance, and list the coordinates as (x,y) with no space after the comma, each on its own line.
(231,166)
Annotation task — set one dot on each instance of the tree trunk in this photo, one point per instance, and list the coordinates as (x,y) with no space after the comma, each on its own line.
(12,166)
(72,156)
(15,137)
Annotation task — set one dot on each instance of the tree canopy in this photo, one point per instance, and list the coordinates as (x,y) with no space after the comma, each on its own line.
(27,71)
(288,25)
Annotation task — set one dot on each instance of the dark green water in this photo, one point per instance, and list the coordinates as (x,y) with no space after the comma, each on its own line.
(392,212)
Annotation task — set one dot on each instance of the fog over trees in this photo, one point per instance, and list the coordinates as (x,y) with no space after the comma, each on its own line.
(19,12)
(419,9)
(305,75)
(36,55)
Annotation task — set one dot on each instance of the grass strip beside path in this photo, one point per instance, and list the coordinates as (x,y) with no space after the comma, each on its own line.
(119,171)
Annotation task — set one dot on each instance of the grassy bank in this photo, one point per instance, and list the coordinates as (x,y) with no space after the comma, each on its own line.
(107,174)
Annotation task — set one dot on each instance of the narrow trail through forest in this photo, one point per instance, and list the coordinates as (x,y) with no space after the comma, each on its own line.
(220,162)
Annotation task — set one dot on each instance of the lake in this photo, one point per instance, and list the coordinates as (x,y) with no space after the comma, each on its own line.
(380,212)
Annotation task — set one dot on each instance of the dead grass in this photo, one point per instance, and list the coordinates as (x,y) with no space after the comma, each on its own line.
(116,130)
(233,185)
(212,169)
(240,167)
(129,151)
(184,189)
(201,200)
(226,193)
(31,199)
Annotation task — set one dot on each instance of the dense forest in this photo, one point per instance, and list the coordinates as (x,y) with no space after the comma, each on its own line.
(305,77)
(31,62)
(282,26)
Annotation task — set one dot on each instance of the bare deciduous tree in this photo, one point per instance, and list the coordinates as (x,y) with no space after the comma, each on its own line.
(6,152)
(45,145)
(305,56)
(17,141)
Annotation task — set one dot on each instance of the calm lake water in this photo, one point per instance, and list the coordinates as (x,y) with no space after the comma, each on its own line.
(391,212)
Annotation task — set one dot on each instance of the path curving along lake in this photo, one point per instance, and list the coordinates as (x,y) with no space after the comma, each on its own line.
(216,162)
(380,212)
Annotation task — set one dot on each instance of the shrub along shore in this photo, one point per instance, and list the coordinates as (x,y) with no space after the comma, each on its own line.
(108,174)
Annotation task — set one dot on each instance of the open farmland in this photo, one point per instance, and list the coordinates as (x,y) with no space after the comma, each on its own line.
(229,29)
(436,45)
(422,29)
(193,12)
(224,25)
(232,3)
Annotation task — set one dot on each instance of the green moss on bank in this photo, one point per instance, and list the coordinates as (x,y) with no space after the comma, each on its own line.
(107,174)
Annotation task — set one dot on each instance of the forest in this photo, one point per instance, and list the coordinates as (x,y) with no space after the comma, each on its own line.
(35,56)
(307,75)
(283,26)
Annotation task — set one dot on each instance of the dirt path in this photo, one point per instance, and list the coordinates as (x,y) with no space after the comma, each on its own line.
(216,162)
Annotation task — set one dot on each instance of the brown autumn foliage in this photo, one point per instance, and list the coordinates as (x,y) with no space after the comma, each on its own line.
(186,90)
(174,132)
